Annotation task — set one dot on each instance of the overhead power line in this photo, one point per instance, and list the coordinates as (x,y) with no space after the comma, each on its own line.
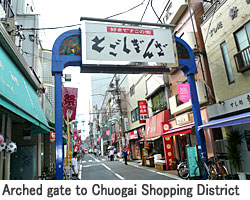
(59,27)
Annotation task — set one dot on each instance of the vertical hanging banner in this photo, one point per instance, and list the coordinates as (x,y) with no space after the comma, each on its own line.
(52,136)
(76,148)
(184,92)
(69,102)
(143,111)
(108,132)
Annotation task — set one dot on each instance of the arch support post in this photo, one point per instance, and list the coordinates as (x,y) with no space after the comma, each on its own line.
(58,125)
(202,149)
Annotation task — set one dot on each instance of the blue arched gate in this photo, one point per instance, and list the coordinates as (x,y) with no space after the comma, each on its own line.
(67,52)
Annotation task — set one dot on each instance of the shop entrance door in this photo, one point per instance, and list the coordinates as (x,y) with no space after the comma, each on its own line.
(183,141)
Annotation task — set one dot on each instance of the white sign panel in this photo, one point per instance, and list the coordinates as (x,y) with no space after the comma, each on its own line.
(111,42)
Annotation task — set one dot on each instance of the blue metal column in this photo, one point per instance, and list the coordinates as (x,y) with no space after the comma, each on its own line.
(187,64)
(197,119)
(58,126)
(197,115)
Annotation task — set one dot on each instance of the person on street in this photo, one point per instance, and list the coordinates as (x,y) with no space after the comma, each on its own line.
(125,156)
(74,166)
(111,154)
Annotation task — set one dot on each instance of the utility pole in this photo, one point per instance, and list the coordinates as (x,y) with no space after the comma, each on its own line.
(118,99)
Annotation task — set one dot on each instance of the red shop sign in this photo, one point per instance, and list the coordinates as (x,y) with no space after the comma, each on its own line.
(114,137)
(143,111)
(133,135)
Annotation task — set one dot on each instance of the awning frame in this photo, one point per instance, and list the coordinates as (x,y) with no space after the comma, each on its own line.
(223,122)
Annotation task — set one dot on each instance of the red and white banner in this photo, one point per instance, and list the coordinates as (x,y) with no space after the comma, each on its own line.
(143,111)
(52,136)
(76,148)
(69,102)
(114,137)
(133,135)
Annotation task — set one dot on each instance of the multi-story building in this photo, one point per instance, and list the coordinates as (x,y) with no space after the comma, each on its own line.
(185,15)
(22,117)
(226,33)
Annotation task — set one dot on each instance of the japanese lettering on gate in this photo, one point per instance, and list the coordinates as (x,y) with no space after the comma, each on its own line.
(126,43)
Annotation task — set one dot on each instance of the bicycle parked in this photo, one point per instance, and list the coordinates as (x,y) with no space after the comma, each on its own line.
(183,170)
(219,169)
(205,166)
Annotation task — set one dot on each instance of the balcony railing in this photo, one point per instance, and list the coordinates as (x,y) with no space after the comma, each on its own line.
(210,12)
(242,59)
(8,10)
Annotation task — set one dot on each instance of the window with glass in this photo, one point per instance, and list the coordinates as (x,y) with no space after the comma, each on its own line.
(132,90)
(159,101)
(135,115)
(228,66)
(242,38)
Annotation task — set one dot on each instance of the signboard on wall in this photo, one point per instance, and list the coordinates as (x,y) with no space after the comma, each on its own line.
(192,161)
(112,42)
(184,92)
(143,111)
(182,119)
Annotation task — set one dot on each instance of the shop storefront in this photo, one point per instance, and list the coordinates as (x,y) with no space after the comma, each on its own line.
(134,145)
(182,134)
(231,114)
(22,117)
(153,142)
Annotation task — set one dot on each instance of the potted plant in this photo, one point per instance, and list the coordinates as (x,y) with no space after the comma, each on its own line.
(173,165)
(234,140)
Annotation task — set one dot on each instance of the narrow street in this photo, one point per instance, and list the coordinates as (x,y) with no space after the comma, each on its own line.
(102,169)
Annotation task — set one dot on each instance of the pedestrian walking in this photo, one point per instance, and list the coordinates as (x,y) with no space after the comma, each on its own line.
(74,166)
(125,155)
(111,154)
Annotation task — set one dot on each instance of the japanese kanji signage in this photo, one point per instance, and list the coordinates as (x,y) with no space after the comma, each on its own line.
(184,92)
(109,42)
(69,102)
(143,110)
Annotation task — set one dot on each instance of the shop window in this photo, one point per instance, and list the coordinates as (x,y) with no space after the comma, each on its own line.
(247,136)
(228,66)
(217,134)
(159,101)
(242,38)
(135,115)
(132,90)
(27,131)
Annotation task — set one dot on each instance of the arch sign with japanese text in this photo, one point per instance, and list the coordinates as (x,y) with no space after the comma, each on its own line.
(131,49)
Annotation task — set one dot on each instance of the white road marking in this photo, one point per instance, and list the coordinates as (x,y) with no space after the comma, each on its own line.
(95,158)
(119,176)
(106,167)
(80,172)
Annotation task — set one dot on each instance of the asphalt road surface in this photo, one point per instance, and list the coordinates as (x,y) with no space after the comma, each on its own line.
(93,168)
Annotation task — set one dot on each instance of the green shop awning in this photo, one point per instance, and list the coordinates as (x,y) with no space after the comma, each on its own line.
(18,96)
